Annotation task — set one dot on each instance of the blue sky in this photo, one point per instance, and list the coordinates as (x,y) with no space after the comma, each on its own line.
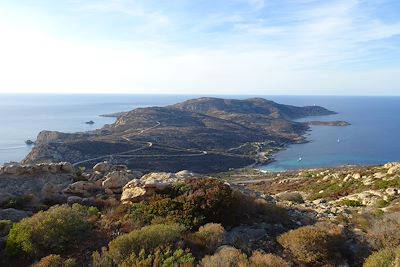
(342,47)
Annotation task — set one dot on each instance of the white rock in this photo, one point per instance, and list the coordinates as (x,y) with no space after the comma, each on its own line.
(102,167)
(117,179)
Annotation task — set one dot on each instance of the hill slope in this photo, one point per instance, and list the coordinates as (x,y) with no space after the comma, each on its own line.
(203,135)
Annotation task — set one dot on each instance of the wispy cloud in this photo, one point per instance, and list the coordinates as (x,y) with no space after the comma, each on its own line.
(239,46)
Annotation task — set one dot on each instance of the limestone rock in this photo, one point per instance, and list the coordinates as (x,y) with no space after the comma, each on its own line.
(117,179)
(151,183)
(81,188)
(102,167)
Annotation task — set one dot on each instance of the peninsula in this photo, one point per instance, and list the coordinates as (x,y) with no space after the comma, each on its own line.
(204,135)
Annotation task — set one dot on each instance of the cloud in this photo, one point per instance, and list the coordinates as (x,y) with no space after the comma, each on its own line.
(271,47)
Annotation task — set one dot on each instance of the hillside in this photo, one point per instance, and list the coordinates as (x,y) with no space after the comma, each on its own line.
(57,215)
(204,135)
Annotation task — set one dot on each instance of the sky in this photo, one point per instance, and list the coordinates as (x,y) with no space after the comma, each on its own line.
(264,47)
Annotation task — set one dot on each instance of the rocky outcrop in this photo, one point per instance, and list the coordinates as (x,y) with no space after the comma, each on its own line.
(150,184)
(28,169)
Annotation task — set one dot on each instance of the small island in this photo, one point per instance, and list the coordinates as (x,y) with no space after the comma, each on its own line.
(90,122)
(29,142)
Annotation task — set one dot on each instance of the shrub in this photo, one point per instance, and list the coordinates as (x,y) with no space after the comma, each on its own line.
(50,231)
(295,197)
(148,239)
(226,257)
(350,203)
(312,244)
(259,259)
(209,237)
(384,231)
(192,204)
(55,261)
(5,226)
(160,258)
(383,258)
(201,201)
(18,202)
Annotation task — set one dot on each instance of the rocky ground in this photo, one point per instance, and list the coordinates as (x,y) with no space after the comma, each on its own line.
(345,197)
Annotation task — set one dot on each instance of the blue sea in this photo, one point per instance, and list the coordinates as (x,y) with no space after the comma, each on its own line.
(372,138)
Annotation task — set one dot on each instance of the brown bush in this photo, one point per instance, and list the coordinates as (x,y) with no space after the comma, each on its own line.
(55,261)
(313,245)
(259,259)
(384,232)
(209,237)
(226,257)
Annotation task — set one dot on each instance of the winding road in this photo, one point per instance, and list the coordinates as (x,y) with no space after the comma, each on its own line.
(126,154)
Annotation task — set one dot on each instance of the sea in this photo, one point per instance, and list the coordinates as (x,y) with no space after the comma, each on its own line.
(372,138)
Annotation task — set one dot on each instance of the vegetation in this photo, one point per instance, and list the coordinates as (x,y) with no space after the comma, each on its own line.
(232,257)
(209,237)
(384,258)
(313,244)
(139,244)
(295,197)
(51,231)
(384,231)
(351,203)
(55,261)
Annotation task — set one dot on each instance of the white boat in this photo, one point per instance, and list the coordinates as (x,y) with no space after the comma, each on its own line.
(338,140)
(300,159)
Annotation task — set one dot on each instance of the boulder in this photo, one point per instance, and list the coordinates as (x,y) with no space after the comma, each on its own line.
(394,169)
(117,179)
(119,168)
(391,191)
(150,184)
(134,194)
(102,167)
(81,188)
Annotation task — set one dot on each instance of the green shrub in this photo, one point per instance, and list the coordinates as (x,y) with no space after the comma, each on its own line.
(160,258)
(294,197)
(351,203)
(192,204)
(201,201)
(312,244)
(209,237)
(50,231)
(148,239)
(55,261)
(18,202)
(383,258)
(259,259)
